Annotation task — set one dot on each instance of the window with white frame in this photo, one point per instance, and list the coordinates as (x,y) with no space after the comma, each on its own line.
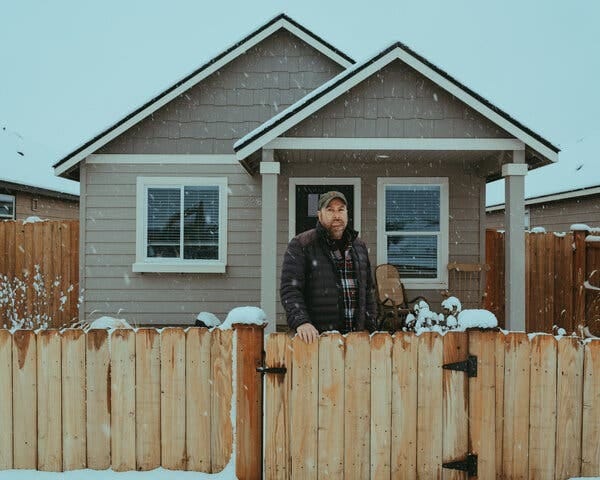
(413,229)
(7,207)
(181,224)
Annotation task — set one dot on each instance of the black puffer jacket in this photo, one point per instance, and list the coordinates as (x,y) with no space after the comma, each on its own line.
(310,285)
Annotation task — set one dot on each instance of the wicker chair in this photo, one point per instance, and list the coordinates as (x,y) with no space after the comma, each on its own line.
(392,303)
(466,280)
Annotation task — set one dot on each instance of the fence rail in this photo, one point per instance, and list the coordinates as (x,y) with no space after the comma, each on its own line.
(557,268)
(53,246)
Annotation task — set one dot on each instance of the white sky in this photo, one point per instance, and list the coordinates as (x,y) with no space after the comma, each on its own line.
(69,69)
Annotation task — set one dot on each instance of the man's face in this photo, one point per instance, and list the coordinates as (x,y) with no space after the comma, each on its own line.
(334,217)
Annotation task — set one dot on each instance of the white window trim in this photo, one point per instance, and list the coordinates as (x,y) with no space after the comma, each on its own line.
(8,198)
(434,283)
(354,181)
(169,265)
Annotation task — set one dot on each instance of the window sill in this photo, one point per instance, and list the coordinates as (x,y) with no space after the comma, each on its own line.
(415,285)
(147,267)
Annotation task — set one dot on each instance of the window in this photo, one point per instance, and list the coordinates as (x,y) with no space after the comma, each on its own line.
(413,229)
(7,207)
(181,225)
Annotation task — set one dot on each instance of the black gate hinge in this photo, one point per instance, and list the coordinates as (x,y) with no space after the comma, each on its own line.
(263,370)
(469,366)
(468,465)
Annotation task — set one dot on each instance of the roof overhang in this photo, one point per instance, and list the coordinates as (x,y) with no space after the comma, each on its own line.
(69,163)
(23,187)
(273,129)
(581,192)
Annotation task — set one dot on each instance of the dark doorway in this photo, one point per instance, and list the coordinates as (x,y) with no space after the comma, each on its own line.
(307,200)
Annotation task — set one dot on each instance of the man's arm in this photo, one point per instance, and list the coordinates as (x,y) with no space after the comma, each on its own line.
(292,285)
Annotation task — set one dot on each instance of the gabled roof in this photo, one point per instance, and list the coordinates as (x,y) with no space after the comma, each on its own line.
(64,166)
(347,79)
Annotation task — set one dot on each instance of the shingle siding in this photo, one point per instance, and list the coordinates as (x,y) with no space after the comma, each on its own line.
(222,108)
(404,104)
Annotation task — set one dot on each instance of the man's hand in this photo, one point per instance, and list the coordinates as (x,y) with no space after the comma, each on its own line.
(307,332)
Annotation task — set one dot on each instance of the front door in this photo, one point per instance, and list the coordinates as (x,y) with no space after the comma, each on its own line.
(307,200)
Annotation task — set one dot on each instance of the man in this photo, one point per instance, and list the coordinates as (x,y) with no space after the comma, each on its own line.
(326,281)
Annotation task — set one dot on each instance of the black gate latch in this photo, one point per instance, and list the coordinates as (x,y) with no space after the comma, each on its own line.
(469,366)
(263,370)
(468,465)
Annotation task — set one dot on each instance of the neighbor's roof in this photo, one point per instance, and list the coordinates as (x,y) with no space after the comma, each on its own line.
(64,166)
(347,79)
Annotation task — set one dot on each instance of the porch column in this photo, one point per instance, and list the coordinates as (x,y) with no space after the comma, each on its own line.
(514,241)
(269,169)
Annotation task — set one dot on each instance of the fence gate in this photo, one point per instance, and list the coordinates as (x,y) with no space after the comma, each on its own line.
(380,406)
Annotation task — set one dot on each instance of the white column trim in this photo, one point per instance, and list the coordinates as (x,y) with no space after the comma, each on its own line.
(514,169)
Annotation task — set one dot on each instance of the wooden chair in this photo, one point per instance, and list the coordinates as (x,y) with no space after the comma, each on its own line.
(392,303)
(465,281)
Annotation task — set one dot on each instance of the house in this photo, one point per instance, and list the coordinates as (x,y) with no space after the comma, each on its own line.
(19,201)
(560,195)
(187,204)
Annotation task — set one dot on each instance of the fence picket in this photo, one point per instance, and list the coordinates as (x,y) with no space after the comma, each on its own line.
(515,443)
(499,376)
(24,399)
(147,399)
(381,402)
(569,409)
(122,394)
(98,393)
(590,452)
(357,406)
(304,409)
(197,402)
(222,378)
(331,406)
(404,406)
(172,398)
(73,386)
(49,385)
(542,407)
(482,402)
(429,406)
(455,435)
(6,401)
(277,410)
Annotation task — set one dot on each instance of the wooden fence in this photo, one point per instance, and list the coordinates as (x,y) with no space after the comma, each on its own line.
(136,401)
(353,407)
(556,269)
(54,247)
(383,407)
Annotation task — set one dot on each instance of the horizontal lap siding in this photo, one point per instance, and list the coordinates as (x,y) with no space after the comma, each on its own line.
(111,286)
(46,207)
(464,193)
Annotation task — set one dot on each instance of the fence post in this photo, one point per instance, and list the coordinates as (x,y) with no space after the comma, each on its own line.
(579,277)
(249,422)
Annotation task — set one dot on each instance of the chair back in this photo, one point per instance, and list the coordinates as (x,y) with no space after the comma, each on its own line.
(389,285)
(466,282)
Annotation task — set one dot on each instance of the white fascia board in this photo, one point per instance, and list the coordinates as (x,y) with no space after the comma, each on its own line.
(316,44)
(475,104)
(308,110)
(457,144)
(187,159)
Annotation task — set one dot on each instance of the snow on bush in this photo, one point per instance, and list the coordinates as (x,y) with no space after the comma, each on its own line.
(33,219)
(108,323)
(207,319)
(25,303)
(249,315)
(537,230)
(454,319)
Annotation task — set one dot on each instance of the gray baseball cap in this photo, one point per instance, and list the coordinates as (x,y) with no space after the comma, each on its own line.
(329,196)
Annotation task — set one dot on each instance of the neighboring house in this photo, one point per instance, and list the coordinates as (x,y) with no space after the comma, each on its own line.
(188,203)
(19,201)
(555,212)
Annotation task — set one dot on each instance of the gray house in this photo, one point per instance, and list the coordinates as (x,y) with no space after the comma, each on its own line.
(188,203)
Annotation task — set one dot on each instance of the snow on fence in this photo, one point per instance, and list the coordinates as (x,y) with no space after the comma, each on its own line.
(382,406)
(132,400)
(557,269)
(53,246)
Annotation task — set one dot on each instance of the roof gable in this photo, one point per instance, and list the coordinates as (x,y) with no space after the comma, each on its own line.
(337,86)
(70,162)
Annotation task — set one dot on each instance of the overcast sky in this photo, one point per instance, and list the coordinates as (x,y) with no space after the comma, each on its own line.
(69,69)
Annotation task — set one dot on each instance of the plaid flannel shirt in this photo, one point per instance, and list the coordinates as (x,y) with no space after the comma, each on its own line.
(345,267)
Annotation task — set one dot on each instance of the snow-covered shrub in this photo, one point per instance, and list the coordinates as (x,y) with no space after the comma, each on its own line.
(25,303)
